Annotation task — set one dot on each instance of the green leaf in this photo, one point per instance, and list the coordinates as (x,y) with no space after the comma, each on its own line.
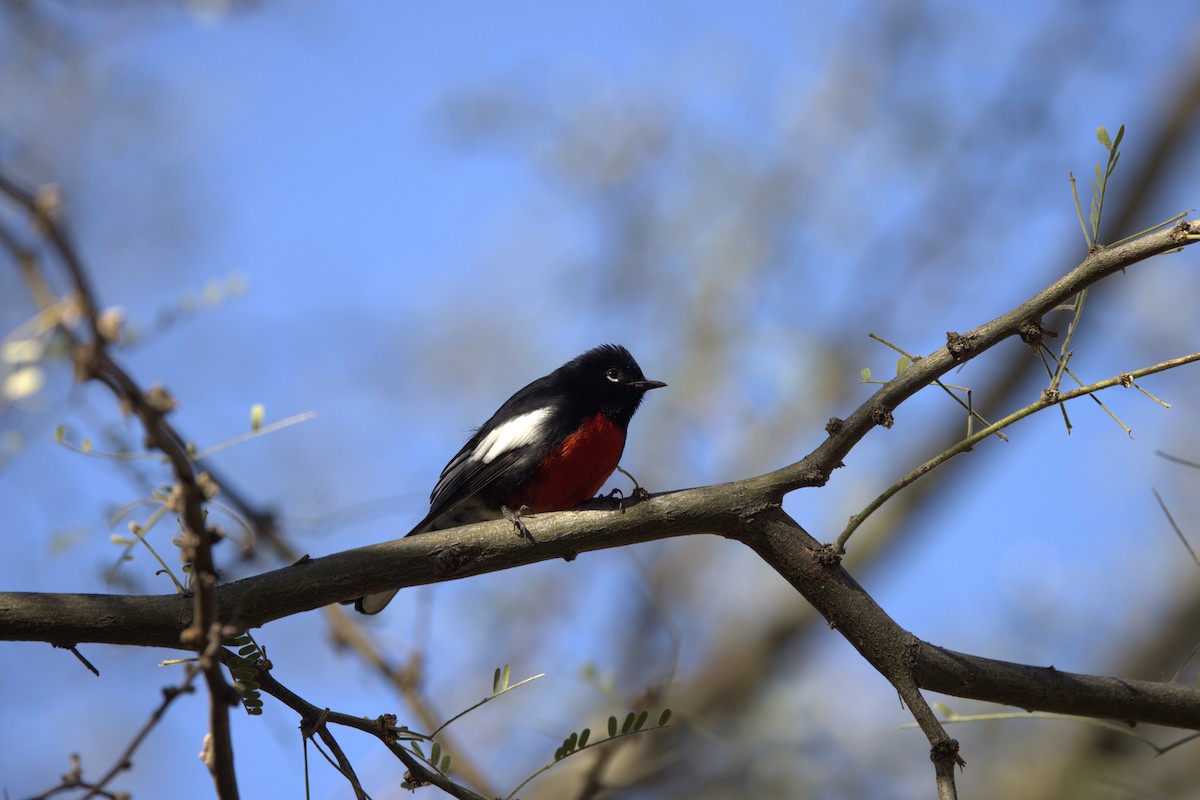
(1102,135)
(865,374)
(416,748)
(612,727)
(628,723)
(248,650)
(506,676)
(496,682)
(583,737)
(641,720)
(1120,136)
(435,752)
(445,764)
(664,717)
(902,363)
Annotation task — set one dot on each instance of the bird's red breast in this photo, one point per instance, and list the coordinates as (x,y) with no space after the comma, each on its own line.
(576,470)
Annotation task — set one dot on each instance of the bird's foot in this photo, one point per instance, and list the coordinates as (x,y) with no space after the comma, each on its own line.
(515,518)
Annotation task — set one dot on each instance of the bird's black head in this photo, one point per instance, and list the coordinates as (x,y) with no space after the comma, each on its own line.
(613,379)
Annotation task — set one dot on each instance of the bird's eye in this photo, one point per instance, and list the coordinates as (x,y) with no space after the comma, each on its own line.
(613,374)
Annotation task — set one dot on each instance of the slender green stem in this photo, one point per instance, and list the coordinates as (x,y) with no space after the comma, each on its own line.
(1045,401)
(248,435)
(487,699)
(587,746)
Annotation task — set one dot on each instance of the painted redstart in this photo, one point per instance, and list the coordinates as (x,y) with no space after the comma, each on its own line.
(550,447)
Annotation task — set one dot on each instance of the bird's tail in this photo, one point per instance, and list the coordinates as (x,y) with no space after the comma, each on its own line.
(374,603)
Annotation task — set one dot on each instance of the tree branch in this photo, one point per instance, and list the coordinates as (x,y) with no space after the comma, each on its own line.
(457,553)
(93,361)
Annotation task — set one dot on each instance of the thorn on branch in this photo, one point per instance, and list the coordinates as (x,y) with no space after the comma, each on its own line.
(78,655)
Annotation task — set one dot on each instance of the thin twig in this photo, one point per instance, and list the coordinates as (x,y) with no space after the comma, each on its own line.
(966,445)
(1175,526)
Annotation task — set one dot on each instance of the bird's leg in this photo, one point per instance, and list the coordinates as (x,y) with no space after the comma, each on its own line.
(515,518)
(639,493)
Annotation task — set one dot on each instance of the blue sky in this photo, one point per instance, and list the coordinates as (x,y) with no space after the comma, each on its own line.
(401,278)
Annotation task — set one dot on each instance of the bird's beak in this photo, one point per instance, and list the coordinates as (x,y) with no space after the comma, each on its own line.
(645,386)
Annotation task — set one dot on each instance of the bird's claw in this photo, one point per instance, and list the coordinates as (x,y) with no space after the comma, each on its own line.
(515,518)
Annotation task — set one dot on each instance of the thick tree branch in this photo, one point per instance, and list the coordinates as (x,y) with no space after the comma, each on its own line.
(491,546)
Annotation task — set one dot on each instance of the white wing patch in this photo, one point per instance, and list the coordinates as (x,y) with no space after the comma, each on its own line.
(517,432)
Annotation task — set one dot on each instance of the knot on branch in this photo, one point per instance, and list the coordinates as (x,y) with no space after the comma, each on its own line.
(160,400)
(1183,232)
(960,344)
(310,725)
(946,750)
(834,426)
(455,558)
(386,723)
(1032,333)
(882,417)
(815,477)
(828,555)
(912,654)
(207,485)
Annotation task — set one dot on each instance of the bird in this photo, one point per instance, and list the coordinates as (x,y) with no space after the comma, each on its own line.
(549,447)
